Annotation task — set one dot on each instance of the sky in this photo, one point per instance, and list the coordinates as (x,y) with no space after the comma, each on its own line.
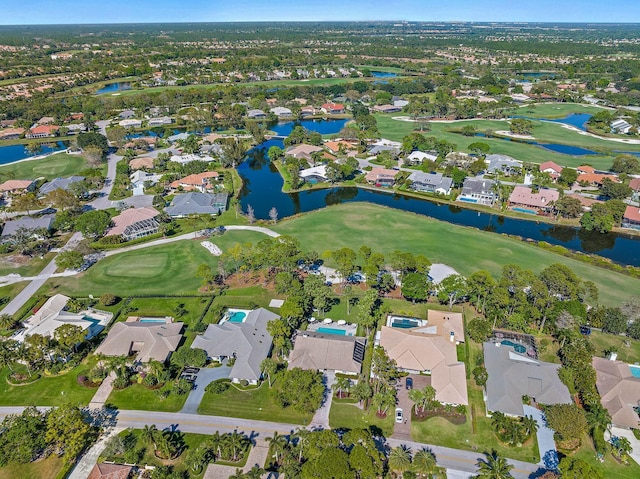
(150,11)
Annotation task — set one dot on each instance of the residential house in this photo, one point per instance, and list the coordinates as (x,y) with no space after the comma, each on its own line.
(553,169)
(46,120)
(542,201)
(143,143)
(375,150)
(332,108)
(42,131)
(103,470)
(428,350)
(146,340)
(188,158)
(513,375)
(75,128)
(8,123)
(60,184)
(339,145)
(631,218)
(256,114)
(303,152)
(446,323)
(585,169)
(478,190)
(307,111)
(400,103)
(130,123)
(249,342)
(127,114)
(11,133)
(387,109)
(502,164)
(281,112)
(160,121)
(201,182)
(177,137)
(195,203)
(620,126)
(430,182)
(327,352)
(596,179)
(586,203)
(27,223)
(634,184)
(619,391)
(140,163)
(419,157)
(315,174)
(381,176)
(139,180)
(134,223)
(17,186)
(53,314)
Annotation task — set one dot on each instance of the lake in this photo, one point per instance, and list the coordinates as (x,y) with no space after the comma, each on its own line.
(262,190)
(114,88)
(578,120)
(378,74)
(13,153)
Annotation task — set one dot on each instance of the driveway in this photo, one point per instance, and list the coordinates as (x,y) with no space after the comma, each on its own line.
(321,417)
(403,430)
(546,443)
(635,443)
(204,378)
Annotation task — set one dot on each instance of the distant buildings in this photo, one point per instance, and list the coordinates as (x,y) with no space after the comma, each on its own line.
(620,126)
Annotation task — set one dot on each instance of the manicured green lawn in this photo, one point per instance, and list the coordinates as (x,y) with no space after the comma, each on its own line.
(610,468)
(255,404)
(31,267)
(556,110)
(48,391)
(51,167)
(160,307)
(604,342)
(45,469)
(465,249)
(140,398)
(350,416)
(10,291)
(164,269)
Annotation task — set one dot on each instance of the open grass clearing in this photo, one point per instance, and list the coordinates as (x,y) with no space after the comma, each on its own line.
(610,468)
(350,416)
(48,390)
(139,271)
(14,263)
(604,342)
(257,404)
(556,110)
(44,469)
(140,398)
(58,165)
(465,249)
(160,307)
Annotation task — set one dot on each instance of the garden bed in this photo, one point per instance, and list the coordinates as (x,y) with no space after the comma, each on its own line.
(451,416)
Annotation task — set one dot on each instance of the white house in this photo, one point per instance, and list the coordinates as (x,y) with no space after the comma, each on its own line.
(620,126)
(139,178)
(130,123)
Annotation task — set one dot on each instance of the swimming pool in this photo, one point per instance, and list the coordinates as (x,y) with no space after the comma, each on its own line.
(152,320)
(525,210)
(518,348)
(236,316)
(405,323)
(635,370)
(468,200)
(340,332)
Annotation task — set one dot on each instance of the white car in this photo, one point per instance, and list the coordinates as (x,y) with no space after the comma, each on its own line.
(399,415)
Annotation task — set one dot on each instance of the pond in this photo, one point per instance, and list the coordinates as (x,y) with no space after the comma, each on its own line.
(114,88)
(379,74)
(13,153)
(263,190)
(578,120)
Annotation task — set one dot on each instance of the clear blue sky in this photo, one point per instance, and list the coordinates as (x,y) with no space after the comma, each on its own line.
(127,11)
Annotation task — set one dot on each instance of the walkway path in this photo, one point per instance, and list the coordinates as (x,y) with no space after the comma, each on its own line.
(546,443)
(204,378)
(103,392)
(635,443)
(88,460)
(257,457)
(321,417)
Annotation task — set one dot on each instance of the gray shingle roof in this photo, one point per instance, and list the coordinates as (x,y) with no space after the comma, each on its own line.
(197,203)
(27,222)
(249,341)
(513,375)
(59,184)
(436,180)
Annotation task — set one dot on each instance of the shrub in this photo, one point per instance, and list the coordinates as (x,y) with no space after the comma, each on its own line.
(108,299)
(480,375)
(244,383)
(121,382)
(218,387)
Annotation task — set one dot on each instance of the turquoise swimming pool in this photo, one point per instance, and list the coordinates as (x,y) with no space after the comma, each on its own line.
(236,316)
(525,210)
(518,348)
(152,320)
(635,371)
(405,323)
(340,332)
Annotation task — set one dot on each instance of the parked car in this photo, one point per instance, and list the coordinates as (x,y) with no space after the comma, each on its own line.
(399,415)
(409,383)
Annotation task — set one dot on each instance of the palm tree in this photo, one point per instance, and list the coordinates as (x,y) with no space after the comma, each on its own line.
(530,425)
(301,437)
(235,443)
(7,321)
(214,444)
(150,434)
(400,459)
(494,467)
(418,398)
(599,418)
(424,464)
(279,444)
(342,384)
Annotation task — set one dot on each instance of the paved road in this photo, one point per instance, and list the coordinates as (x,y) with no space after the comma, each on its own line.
(24,295)
(204,378)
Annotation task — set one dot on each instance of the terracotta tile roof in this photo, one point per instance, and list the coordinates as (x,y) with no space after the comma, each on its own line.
(550,165)
(130,217)
(586,169)
(634,184)
(596,178)
(44,129)
(523,195)
(584,200)
(632,213)
(335,145)
(12,185)
(619,390)
(110,471)
(380,173)
(137,163)
(196,180)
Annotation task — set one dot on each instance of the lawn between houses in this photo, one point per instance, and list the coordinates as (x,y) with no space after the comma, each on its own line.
(465,249)
(60,164)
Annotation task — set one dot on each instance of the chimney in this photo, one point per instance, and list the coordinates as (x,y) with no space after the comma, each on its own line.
(613,356)
(452,336)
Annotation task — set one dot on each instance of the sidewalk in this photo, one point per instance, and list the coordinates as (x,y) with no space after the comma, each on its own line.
(103,392)
(89,459)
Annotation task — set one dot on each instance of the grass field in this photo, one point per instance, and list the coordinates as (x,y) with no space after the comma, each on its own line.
(350,416)
(604,342)
(465,249)
(556,110)
(544,132)
(257,404)
(60,164)
(165,269)
(31,268)
(141,398)
(45,469)
(48,391)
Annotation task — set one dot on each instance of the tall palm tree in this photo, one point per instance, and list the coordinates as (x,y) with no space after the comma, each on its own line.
(424,464)
(214,444)
(150,434)
(418,398)
(400,459)
(342,384)
(530,425)
(301,437)
(598,418)
(494,466)
(279,444)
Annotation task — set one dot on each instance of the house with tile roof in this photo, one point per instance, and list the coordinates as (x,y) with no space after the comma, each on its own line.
(140,163)
(104,470)
(42,131)
(619,391)
(381,176)
(134,223)
(146,340)
(631,218)
(201,182)
(542,201)
(17,186)
(327,352)
(332,108)
(249,342)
